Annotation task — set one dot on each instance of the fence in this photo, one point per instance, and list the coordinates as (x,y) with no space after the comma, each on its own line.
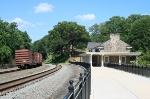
(143,70)
(82,89)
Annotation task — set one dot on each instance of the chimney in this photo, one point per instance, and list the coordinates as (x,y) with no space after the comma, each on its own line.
(115,37)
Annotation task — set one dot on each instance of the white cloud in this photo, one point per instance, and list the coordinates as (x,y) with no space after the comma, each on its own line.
(145,14)
(43,7)
(23,24)
(86,17)
(17,20)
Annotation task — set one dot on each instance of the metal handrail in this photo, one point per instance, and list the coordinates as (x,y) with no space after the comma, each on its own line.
(82,89)
(140,69)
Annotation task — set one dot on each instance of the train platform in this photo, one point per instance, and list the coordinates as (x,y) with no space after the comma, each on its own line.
(108,83)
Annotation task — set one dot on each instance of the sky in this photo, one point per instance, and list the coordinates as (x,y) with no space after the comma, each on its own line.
(37,17)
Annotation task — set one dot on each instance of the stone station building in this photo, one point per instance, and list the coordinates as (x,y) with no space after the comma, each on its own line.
(111,51)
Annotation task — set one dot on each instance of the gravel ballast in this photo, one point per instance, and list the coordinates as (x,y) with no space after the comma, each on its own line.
(8,69)
(23,73)
(52,87)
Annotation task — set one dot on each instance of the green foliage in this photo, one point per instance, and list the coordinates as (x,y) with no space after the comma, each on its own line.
(99,32)
(60,42)
(5,53)
(57,58)
(140,34)
(145,58)
(115,24)
(95,32)
(41,46)
(11,39)
(66,34)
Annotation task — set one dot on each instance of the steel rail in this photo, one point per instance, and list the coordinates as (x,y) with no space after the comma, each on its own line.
(11,84)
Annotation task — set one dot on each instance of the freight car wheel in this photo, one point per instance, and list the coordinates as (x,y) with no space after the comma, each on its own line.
(30,66)
(26,66)
(19,67)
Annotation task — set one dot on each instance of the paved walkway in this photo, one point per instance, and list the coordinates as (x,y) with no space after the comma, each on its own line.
(110,83)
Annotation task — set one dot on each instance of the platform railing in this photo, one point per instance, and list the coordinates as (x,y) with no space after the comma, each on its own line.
(82,89)
(139,69)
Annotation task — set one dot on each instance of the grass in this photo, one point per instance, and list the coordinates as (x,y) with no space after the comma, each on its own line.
(57,58)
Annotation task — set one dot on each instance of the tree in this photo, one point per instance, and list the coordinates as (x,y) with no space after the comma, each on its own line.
(26,40)
(127,27)
(41,46)
(65,34)
(129,21)
(5,53)
(11,39)
(144,58)
(99,32)
(95,32)
(115,24)
(140,34)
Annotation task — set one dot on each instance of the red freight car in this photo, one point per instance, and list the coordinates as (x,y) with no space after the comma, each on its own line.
(24,58)
(38,58)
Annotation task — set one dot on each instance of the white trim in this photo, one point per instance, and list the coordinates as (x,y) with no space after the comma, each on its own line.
(102,61)
(128,47)
(91,60)
(111,53)
(137,60)
(108,59)
(119,60)
(100,47)
(124,57)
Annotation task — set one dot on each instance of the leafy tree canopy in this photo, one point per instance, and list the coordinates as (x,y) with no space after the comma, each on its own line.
(66,34)
(11,38)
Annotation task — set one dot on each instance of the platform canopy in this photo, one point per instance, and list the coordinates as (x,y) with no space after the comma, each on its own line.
(111,53)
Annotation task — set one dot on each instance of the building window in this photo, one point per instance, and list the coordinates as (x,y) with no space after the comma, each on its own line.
(123,59)
(106,59)
(90,50)
(97,50)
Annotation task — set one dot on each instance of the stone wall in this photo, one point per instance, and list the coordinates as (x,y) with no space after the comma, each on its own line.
(114,44)
(113,59)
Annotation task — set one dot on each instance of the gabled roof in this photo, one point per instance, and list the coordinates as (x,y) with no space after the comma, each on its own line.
(92,45)
(127,45)
(105,42)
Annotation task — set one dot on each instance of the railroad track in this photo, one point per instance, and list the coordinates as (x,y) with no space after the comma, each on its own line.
(8,86)
(4,72)
(10,71)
